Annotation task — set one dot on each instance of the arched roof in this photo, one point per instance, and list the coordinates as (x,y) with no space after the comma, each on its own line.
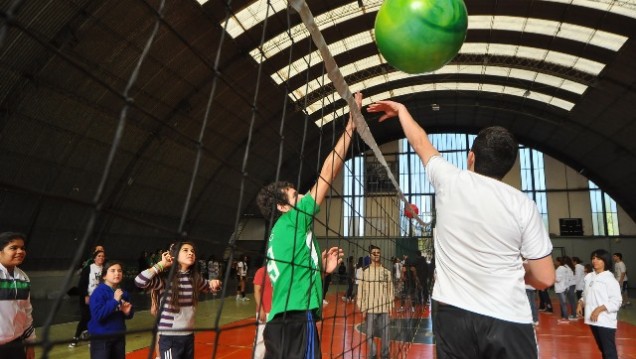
(559,74)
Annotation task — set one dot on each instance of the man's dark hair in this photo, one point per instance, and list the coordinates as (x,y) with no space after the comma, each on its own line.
(495,150)
(372,247)
(619,255)
(7,237)
(270,196)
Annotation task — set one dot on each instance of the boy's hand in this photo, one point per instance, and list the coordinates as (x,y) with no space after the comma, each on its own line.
(331,259)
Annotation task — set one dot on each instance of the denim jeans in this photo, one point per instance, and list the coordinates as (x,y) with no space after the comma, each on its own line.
(108,348)
(571,294)
(378,325)
(533,305)
(563,303)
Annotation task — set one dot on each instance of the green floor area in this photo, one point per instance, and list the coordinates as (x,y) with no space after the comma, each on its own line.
(141,324)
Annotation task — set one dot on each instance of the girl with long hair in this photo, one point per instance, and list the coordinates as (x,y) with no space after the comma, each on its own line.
(176,323)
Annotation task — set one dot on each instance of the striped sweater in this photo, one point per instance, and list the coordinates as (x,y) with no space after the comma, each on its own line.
(15,306)
(172,321)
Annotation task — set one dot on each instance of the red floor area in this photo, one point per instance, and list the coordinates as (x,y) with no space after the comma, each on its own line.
(340,339)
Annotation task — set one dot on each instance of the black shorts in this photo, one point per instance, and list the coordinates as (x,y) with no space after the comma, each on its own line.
(463,334)
(292,335)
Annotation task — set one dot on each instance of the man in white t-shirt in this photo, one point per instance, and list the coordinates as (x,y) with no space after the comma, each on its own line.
(483,229)
(241,275)
(579,276)
(620,272)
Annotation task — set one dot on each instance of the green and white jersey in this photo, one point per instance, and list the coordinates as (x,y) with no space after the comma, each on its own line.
(294,265)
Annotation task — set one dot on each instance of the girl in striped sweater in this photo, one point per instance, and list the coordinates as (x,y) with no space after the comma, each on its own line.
(176,323)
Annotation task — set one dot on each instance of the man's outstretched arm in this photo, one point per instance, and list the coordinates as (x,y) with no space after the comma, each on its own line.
(334,162)
(414,132)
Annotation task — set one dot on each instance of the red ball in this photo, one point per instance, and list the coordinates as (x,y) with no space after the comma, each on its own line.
(413,212)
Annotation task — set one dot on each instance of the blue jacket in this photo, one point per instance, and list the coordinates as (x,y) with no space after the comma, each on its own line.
(106,317)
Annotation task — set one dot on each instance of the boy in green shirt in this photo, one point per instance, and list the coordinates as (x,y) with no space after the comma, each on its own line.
(293,264)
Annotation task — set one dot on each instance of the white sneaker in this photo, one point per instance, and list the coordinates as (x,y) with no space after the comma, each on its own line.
(246,299)
(74,343)
(324,302)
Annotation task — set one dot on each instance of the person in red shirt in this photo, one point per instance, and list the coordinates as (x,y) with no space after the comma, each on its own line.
(263,299)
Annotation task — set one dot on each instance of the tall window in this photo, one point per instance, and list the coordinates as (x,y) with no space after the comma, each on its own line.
(533,179)
(353,197)
(413,181)
(604,212)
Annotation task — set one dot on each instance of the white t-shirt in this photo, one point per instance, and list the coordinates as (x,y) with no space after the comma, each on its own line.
(579,276)
(484,227)
(94,277)
(602,289)
(620,268)
(358,275)
(564,279)
(241,269)
(397,269)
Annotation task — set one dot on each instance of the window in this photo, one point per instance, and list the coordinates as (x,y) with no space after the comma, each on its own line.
(353,197)
(533,179)
(413,181)
(604,212)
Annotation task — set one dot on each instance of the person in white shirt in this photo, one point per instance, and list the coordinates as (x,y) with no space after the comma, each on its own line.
(620,272)
(16,325)
(571,290)
(601,301)
(88,281)
(241,273)
(564,276)
(531,293)
(579,276)
(397,277)
(484,227)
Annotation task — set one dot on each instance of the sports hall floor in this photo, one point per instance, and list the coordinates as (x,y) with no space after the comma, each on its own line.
(339,332)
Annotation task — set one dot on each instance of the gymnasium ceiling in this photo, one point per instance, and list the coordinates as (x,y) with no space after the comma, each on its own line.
(559,74)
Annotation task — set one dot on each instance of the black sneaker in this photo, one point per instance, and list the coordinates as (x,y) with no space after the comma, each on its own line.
(73,344)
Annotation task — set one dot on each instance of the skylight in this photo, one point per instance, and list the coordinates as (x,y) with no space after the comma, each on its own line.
(540,80)
(624,8)
(568,61)
(563,30)
(255,13)
(452,86)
